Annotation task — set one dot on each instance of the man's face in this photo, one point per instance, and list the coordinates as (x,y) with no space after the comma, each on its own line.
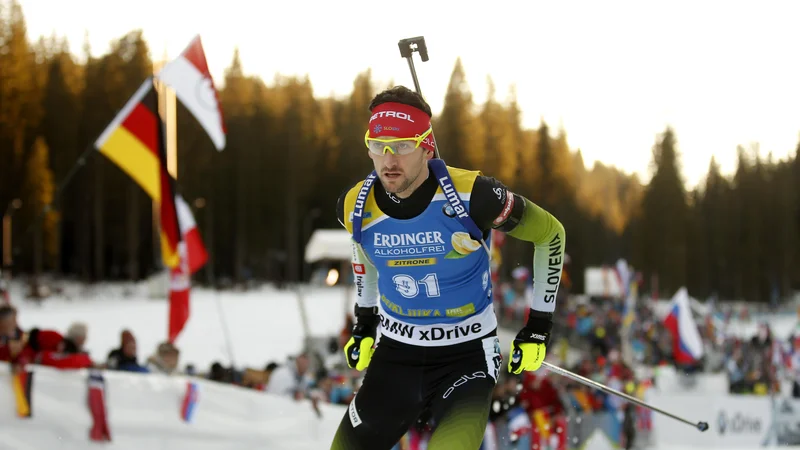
(129,349)
(399,172)
(302,364)
(171,359)
(8,326)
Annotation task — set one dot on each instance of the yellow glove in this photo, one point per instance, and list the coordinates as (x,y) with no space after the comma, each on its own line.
(530,346)
(359,352)
(359,348)
(525,356)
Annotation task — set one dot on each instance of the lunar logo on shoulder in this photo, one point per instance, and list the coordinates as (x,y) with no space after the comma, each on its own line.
(448,210)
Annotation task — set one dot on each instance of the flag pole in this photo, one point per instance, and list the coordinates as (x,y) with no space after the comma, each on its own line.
(167,106)
(72,172)
(159,89)
(223,322)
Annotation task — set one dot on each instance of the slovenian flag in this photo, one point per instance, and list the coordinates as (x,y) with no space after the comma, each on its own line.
(687,346)
(189,402)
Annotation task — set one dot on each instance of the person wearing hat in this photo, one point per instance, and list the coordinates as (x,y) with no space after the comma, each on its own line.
(165,360)
(421,233)
(124,358)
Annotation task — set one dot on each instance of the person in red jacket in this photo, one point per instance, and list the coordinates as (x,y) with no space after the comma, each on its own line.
(539,393)
(37,346)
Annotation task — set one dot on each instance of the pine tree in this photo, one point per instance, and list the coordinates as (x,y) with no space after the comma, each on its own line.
(353,164)
(60,125)
(714,210)
(664,218)
(553,185)
(37,194)
(523,154)
(20,109)
(237,103)
(459,136)
(499,155)
(698,258)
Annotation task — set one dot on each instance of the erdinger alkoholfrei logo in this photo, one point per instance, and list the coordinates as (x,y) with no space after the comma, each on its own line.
(422,243)
(448,210)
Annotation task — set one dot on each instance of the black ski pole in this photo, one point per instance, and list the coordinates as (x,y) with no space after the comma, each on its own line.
(702,426)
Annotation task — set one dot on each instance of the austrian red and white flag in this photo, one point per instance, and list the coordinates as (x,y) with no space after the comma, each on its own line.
(193,256)
(180,284)
(195,252)
(189,77)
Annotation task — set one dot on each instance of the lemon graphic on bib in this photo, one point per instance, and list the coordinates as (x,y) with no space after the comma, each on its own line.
(463,245)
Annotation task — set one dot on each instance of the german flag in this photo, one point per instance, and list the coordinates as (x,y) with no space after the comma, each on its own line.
(542,421)
(21,383)
(134,141)
(170,227)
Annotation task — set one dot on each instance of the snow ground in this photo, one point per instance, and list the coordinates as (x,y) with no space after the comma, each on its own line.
(264,325)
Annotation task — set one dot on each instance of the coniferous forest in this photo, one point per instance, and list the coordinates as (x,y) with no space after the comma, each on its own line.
(290,154)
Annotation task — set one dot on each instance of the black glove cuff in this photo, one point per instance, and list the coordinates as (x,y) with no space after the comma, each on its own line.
(539,324)
(365,311)
(540,321)
(366,317)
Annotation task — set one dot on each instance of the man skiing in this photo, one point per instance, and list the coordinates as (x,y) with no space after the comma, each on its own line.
(422,275)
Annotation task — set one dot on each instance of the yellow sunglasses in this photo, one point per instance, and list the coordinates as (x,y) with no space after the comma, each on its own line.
(395,146)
